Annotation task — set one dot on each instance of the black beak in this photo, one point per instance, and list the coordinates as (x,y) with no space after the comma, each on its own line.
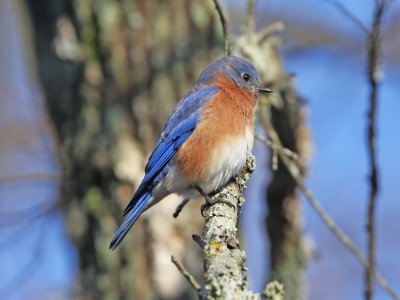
(264,90)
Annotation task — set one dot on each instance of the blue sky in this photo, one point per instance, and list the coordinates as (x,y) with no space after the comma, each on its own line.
(334,85)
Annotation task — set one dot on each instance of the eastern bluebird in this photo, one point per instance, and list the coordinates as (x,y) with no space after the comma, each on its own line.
(205,142)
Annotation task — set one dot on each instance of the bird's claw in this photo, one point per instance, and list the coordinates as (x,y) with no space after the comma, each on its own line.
(210,203)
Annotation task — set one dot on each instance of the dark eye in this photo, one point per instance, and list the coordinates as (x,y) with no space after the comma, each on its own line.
(246,77)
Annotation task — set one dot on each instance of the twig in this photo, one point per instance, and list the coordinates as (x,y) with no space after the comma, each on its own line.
(189,277)
(225,28)
(250,22)
(271,29)
(198,240)
(274,158)
(343,9)
(329,222)
(289,153)
(374,78)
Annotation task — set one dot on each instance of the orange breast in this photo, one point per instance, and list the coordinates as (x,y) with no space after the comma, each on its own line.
(227,115)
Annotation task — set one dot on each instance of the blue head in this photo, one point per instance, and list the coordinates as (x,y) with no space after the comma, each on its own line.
(237,69)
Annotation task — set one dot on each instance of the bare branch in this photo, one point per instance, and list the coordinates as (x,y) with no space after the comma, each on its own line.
(374,78)
(250,18)
(289,153)
(329,222)
(225,27)
(343,9)
(189,277)
(199,241)
(271,29)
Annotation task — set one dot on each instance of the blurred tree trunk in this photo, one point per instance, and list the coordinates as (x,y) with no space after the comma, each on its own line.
(284,110)
(284,221)
(112,71)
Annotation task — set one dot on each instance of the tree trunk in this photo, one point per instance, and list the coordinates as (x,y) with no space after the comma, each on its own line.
(284,221)
(112,71)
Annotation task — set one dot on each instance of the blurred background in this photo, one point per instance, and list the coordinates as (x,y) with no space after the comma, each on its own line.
(85,89)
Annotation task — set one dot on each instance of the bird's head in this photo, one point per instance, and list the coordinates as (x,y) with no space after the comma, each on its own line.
(237,69)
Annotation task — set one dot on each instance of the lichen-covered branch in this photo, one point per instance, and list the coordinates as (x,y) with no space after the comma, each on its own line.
(224,261)
(274,291)
(287,255)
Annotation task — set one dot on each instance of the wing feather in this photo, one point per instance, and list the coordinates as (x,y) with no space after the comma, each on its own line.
(178,129)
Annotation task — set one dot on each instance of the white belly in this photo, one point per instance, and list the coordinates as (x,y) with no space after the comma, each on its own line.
(228,159)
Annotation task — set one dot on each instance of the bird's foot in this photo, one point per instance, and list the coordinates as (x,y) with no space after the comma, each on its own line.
(211,201)
(208,204)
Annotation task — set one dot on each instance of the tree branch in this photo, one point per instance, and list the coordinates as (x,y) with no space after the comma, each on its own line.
(223,259)
(374,78)
(190,278)
(343,9)
(225,27)
(295,172)
(250,22)
(274,291)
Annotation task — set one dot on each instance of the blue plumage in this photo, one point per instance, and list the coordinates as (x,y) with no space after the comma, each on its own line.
(163,175)
(195,100)
(179,127)
(165,150)
(130,219)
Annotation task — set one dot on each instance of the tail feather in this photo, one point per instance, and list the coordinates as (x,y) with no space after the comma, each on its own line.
(129,220)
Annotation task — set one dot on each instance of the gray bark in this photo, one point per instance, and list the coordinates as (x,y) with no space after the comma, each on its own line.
(224,261)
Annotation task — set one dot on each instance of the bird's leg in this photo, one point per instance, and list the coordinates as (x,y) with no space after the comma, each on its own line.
(210,201)
(180,207)
(205,196)
(199,189)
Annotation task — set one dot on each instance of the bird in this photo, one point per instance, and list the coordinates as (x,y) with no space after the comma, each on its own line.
(205,141)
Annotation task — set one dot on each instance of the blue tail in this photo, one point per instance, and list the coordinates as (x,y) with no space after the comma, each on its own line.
(130,219)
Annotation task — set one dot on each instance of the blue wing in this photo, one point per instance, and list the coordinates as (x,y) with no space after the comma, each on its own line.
(178,129)
(162,155)
(196,99)
(130,219)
